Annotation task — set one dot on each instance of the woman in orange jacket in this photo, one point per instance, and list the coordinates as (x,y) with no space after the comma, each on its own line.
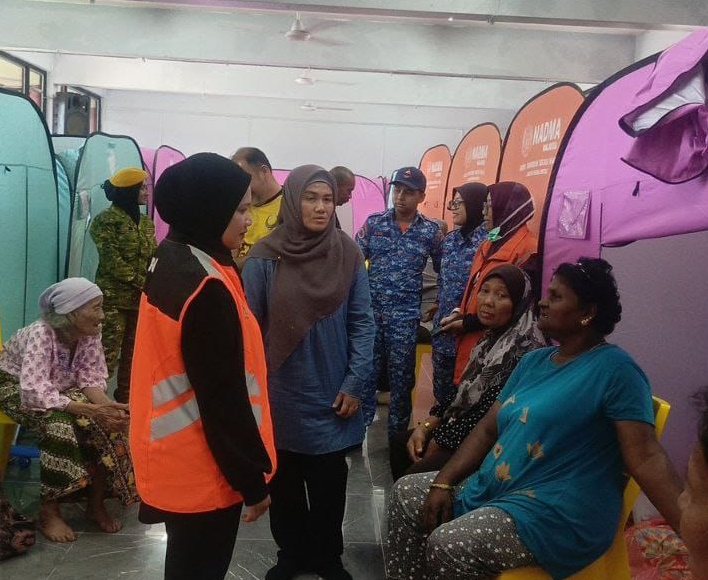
(508,209)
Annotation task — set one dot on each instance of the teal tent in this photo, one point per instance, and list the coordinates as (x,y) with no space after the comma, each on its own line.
(30,258)
(64,197)
(101,156)
(67,149)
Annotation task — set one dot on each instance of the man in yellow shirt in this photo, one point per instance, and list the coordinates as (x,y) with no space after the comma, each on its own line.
(266,195)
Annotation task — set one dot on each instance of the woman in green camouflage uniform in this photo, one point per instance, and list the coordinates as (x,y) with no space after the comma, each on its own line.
(125,240)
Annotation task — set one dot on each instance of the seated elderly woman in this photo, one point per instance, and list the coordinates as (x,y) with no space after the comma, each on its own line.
(539,480)
(693,502)
(53,381)
(503,309)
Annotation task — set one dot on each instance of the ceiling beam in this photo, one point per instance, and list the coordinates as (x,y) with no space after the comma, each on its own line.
(626,14)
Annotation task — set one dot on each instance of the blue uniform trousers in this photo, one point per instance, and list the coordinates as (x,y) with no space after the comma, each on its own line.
(443,373)
(394,351)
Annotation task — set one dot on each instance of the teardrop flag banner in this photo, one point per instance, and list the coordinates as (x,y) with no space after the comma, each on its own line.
(435,164)
(533,140)
(476,159)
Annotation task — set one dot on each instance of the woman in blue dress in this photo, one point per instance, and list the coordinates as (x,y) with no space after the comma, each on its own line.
(539,481)
(307,285)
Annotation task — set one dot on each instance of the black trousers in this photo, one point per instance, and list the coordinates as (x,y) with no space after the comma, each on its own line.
(308,494)
(200,546)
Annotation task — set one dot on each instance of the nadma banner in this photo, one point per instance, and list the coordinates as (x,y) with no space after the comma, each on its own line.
(476,159)
(533,140)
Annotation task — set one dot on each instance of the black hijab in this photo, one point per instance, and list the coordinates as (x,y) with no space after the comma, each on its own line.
(512,207)
(126,198)
(197,197)
(473,196)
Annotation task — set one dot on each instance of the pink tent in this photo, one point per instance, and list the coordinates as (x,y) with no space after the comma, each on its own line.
(156,161)
(632,168)
(367,198)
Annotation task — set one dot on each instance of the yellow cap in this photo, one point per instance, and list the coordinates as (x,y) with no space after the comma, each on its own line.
(128,176)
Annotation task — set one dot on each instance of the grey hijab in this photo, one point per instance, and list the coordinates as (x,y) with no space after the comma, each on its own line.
(314,271)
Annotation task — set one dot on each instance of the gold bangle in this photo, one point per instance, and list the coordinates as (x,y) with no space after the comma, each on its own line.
(445,486)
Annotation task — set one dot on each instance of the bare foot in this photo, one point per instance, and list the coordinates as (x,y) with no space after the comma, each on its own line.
(104,520)
(53,526)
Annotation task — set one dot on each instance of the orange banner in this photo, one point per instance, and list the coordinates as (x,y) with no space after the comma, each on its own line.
(476,159)
(533,139)
(435,164)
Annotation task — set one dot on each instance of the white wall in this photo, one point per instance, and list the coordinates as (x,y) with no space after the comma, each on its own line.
(663,287)
(649,43)
(372,139)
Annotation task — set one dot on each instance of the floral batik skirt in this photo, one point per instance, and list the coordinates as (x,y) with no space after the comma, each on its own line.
(71,446)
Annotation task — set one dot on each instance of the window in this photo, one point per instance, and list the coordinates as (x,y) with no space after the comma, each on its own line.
(18,75)
(81,111)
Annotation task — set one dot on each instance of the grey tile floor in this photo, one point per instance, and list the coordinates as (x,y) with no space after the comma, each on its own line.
(137,551)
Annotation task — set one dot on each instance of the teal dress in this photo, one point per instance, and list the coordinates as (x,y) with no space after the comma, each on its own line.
(556,467)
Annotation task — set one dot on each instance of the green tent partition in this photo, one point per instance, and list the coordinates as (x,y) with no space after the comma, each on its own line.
(64,197)
(101,156)
(29,214)
(67,149)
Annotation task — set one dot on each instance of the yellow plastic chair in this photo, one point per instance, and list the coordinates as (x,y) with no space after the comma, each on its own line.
(614,564)
(420,350)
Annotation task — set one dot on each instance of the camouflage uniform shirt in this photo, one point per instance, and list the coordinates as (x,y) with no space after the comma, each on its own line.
(124,251)
(396,260)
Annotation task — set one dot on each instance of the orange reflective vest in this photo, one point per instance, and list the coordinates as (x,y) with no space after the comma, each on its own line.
(174,467)
(517,250)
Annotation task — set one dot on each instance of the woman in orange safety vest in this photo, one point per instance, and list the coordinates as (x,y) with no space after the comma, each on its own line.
(200,416)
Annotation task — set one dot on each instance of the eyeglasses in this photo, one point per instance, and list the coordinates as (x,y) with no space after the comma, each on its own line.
(453,204)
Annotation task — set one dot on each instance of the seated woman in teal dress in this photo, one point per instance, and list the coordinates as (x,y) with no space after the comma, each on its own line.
(539,481)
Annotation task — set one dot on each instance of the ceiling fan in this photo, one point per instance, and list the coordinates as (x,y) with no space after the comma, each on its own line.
(297,30)
(309,106)
(299,33)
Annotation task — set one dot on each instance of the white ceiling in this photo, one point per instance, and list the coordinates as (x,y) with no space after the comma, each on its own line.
(479,54)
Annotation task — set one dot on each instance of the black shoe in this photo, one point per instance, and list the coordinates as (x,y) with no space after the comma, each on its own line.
(283,570)
(336,572)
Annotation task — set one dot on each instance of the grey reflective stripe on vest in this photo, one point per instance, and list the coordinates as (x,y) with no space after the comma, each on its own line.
(254,390)
(174,386)
(174,421)
(257,414)
(179,418)
(205,260)
(170,388)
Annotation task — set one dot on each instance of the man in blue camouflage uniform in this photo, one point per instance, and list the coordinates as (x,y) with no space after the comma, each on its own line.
(397,244)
